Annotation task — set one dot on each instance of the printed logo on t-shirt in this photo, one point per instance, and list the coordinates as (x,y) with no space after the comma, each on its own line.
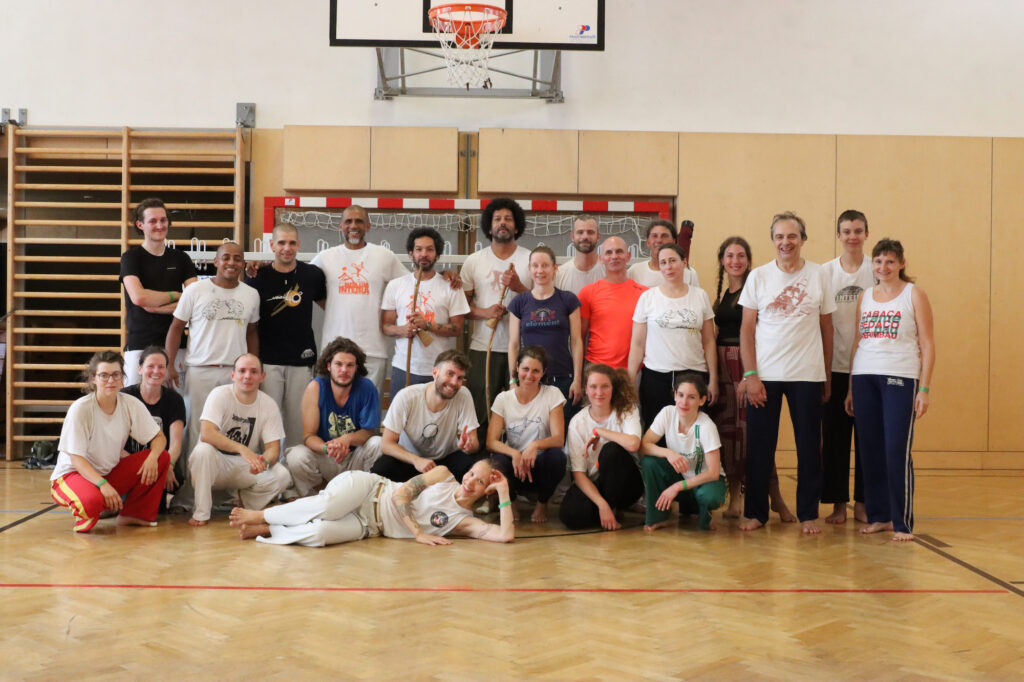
(439,519)
(894,381)
(289,299)
(339,424)
(787,303)
(425,307)
(880,324)
(223,309)
(543,317)
(520,426)
(494,276)
(240,429)
(429,433)
(848,294)
(679,319)
(352,280)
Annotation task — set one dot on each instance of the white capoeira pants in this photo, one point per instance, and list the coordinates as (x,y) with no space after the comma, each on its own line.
(213,470)
(376,371)
(286,384)
(201,380)
(309,469)
(341,512)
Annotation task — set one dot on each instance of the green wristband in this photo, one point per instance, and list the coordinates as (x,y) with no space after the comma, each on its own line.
(506,503)
(749,373)
(325,448)
(924,389)
(171,294)
(685,485)
(100,483)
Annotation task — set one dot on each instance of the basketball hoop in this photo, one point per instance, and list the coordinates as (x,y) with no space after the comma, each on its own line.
(466,33)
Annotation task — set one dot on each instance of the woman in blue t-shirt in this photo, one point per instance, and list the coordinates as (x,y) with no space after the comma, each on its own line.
(549,318)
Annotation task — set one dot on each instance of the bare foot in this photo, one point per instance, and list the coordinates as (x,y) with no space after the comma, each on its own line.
(241,516)
(255,530)
(655,526)
(838,515)
(780,508)
(132,521)
(750,524)
(902,537)
(196,522)
(876,528)
(540,513)
(735,509)
(860,512)
(810,527)
(712,525)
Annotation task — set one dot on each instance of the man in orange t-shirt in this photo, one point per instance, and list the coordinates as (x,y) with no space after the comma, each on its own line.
(606,308)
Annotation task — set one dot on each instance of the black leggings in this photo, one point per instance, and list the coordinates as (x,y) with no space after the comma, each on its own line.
(618,481)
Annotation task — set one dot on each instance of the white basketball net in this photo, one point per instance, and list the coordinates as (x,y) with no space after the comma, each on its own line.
(466,33)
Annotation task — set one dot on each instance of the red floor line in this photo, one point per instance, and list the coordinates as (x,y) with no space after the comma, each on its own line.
(491,590)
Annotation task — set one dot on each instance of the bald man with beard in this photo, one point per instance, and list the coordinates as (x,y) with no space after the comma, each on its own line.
(606,308)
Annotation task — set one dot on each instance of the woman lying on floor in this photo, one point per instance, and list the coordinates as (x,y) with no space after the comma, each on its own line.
(357,505)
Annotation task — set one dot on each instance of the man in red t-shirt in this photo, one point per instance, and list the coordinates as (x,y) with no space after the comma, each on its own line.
(606,307)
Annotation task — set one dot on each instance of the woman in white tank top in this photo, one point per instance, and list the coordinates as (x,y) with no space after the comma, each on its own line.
(892,360)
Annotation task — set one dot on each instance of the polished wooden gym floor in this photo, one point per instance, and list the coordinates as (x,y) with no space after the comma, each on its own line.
(178,603)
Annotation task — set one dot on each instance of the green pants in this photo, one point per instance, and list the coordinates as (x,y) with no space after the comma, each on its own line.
(658,474)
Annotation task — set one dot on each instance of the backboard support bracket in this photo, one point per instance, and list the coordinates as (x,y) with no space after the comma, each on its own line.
(545,80)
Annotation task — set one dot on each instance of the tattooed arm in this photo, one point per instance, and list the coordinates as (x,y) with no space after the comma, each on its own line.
(408,492)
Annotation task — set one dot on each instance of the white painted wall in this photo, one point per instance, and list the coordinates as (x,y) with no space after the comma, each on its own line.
(923,67)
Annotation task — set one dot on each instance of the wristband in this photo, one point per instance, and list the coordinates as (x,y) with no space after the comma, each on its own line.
(506,503)
(595,432)
(171,294)
(100,483)
(750,372)
(325,448)
(924,389)
(685,485)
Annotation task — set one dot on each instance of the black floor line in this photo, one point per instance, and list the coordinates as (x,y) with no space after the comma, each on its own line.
(932,541)
(31,516)
(973,569)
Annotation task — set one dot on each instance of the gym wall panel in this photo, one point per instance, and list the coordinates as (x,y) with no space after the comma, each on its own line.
(934,195)
(326,158)
(732,184)
(628,163)
(414,159)
(1006,428)
(528,161)
(267,176)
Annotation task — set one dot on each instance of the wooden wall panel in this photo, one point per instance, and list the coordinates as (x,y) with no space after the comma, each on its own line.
(1006,428)
(267,176)
(414,160)
(528,161)
(326,158)
(614,163)
(733,185)
(934,195)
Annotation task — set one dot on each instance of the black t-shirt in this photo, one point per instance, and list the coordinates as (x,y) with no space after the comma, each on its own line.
(729,318)
(159,273)
(169,409)
(286,313)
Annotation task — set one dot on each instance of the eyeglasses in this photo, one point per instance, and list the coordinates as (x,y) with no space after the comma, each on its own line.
(113,376)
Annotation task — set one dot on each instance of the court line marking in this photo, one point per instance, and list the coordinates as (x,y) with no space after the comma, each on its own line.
(973,569)
(29,517)
(497,590)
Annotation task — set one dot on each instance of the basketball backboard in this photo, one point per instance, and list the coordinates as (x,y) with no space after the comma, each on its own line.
(530,25)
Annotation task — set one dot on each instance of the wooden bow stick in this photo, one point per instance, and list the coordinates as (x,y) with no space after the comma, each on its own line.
(425,337)
(493,324)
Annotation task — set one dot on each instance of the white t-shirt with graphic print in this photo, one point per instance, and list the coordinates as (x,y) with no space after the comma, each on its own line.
(437,302)
(789,309)
(356,279)
(527,423)
(432,435)
(481,274)
(673,329)
(846,287)
(581,428)
(252,425)
(217,321)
